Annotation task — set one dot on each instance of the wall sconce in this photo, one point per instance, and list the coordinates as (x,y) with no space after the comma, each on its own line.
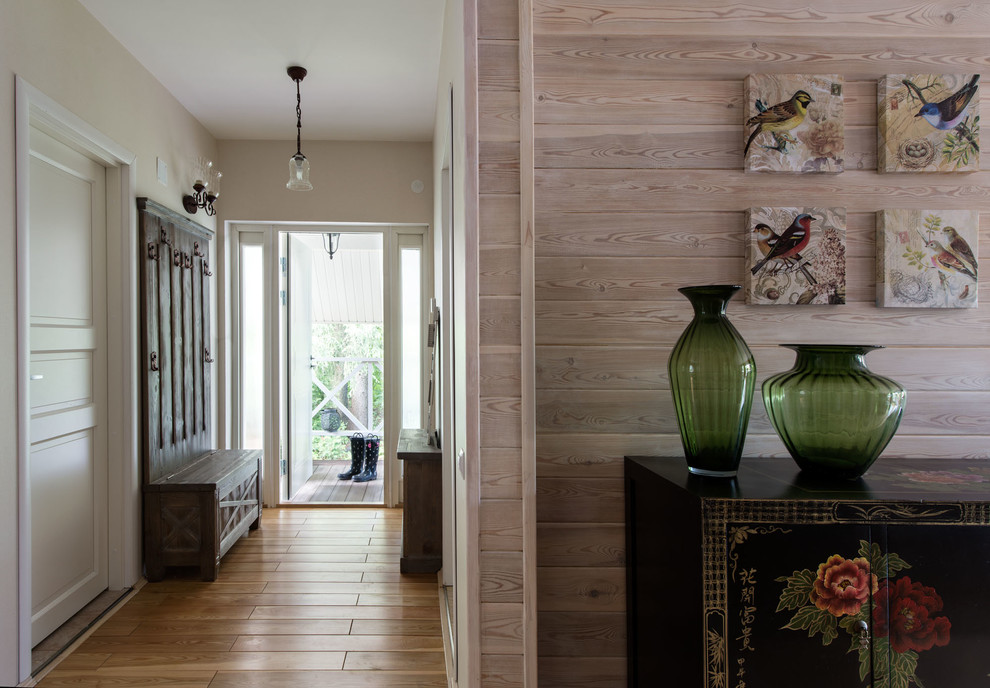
(331,242)
(206,188)
(298,164)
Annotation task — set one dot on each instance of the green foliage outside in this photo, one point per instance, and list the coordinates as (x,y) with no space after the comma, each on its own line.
(354,340)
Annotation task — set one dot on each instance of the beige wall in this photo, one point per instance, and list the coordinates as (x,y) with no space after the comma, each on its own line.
(353,181)
(61,50)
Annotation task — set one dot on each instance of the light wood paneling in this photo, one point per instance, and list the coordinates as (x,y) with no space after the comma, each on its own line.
(500,473)
(582,590)
(704,18)
(501,626)
(502,580)
(639,190)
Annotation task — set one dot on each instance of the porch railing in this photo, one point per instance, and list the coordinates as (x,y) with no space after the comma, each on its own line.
(353,367)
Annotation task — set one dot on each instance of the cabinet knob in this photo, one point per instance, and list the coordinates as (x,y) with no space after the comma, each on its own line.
(864,634)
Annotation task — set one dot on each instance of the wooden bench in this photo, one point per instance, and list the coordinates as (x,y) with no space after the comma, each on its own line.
(192,517)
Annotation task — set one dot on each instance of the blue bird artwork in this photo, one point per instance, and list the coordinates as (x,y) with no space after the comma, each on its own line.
(949,112)
(929,123)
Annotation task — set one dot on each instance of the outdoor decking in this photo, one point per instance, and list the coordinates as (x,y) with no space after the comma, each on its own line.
(323,486)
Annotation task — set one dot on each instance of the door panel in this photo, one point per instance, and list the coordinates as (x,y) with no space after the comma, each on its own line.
(300,328)
(68,369)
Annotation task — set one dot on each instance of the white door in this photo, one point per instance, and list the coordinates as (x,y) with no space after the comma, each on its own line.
(300,349)
(68,387)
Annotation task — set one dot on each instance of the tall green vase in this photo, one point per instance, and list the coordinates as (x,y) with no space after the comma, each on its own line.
(712,379)
(833,413)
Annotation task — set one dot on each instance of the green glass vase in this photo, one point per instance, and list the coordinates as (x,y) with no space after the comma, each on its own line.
(833,413)
(712,379)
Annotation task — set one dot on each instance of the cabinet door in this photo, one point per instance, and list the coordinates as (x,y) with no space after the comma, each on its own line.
(797,600)
(930,628)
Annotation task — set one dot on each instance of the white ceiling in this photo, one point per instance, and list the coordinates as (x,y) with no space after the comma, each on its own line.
(372,63)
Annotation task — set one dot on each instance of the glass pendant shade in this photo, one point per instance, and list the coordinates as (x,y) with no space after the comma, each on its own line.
(298,173)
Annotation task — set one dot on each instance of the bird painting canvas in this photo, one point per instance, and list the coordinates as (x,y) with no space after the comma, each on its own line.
(927,258)
(928,123)
(794,123)
(796,256)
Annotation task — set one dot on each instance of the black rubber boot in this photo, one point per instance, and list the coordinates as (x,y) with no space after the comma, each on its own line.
(371,444)
(357,457)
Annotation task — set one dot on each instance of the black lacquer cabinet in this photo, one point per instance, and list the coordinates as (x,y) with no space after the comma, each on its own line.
(776,580)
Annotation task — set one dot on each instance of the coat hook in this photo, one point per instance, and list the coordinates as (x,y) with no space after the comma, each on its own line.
(154,360)
(177,258)
(196,250)
(164,238)
(209,359)
(153,252)
(206,269)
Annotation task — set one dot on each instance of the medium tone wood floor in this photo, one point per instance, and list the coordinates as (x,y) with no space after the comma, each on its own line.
(314,597)
(323,486)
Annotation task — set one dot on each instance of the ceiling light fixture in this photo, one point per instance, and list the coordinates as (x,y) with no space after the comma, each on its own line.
(298,164)
(331,243)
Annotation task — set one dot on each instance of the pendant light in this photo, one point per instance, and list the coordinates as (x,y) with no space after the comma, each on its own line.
(298,164)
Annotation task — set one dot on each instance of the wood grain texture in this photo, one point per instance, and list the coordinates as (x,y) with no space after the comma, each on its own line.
(498,19)
(502,577)
(581,544)
(183,632)
(582,634)
(583,672)
(498,115)
(501,473)
(500,525)
(733,57)
(498,272)
(639,190)
(501,626)
(500,422)
(499,219)
(948,18)
(499,374)
(582,590)
(579,499)
(501,671)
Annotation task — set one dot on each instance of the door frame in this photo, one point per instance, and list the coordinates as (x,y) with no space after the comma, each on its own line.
(275,412)
(34,108)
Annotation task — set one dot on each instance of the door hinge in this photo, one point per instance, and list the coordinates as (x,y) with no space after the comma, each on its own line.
(283,467)
(281,295)
(282,261)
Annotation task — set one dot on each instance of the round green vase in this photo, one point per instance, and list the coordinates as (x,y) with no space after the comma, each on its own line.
(833,413)
(712,379)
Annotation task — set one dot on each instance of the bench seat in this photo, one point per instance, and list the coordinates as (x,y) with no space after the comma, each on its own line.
(193,516)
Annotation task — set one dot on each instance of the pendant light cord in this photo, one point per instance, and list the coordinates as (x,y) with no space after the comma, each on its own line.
(298,120)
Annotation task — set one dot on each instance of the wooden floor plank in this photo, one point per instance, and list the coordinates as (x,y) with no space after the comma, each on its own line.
(323,679)
(312,598)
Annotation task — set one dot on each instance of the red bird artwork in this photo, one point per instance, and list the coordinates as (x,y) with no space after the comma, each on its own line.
(793,240)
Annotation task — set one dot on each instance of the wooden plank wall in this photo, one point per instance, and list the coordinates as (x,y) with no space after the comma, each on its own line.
(502,572)
(639,190)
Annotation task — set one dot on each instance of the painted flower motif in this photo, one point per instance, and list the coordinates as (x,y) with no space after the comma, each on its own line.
(824,139)
(944,477)
(908,613)
(843,585)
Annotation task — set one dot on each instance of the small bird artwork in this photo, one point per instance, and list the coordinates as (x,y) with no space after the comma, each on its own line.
(767,238)
(948,113)
(960,248)
(791,242)
(779,118)
(946,261)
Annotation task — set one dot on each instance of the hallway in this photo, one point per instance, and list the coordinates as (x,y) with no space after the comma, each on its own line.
(312,598)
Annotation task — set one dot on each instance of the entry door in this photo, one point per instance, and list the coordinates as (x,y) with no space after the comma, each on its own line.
(300,350)
(68,389)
